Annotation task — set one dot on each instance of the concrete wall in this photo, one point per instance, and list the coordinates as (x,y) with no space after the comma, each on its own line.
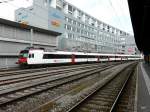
(13,39)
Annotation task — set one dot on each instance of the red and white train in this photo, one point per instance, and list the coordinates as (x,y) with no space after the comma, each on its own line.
(40,57)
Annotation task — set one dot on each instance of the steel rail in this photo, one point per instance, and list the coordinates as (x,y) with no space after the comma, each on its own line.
(11,80)
(23,71)
(39,87)
(121,91)
(73,108)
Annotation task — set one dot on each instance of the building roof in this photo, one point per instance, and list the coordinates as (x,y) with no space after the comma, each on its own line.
(140,17)
(28,27)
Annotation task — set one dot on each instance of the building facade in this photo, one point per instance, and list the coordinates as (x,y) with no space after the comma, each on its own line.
(130,46)
(81,32)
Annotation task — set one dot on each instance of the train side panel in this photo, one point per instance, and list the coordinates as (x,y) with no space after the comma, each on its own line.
(40,57)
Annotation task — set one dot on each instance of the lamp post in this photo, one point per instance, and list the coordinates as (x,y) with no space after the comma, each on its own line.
(31,37)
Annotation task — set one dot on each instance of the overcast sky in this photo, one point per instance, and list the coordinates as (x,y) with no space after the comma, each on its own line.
(113,12)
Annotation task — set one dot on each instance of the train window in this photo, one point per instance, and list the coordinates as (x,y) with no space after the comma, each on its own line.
(81,56)
(55,56)
(85,56)
(104,57)
(21,55)
(92,57)
(32,55)
(29,55)
(24,51)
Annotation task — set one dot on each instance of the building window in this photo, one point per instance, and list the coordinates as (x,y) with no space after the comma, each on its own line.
(65,26)
(79,17)
(31,9)
(79,24)
(85,32)
(80,14)
(70,36)
(74,22)
(87,19)
(70,12)
(82,25)
(59,3)
(92,24)
(59,8)
(70,9)
(73,29)
(66,19)
(19,13)
(69,20)
(78,30)
(64,5)
(82,31)
(68,27)
(86,26)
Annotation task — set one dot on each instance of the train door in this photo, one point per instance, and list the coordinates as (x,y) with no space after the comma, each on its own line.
(73,59)
(98,58)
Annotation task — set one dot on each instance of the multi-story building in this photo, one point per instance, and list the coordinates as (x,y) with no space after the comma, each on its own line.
(130,46)
(81,31)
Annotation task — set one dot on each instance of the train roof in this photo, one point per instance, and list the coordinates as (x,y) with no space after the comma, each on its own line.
(78,53)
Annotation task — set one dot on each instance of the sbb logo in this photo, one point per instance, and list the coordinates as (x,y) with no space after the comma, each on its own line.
(55,23)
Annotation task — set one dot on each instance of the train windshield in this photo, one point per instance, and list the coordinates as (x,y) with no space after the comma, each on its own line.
(24,54)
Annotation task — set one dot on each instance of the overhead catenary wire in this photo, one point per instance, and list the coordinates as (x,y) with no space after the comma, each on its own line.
(116,14)
(121,9)
(125,11)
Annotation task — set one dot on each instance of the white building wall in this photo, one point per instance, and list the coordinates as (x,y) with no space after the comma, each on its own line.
(37,15)
(53,3)
(130,47)
(109,36)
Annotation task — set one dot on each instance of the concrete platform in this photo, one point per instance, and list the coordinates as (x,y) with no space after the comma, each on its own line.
(143,98)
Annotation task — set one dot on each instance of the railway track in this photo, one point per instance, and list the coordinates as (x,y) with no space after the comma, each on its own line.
(102,96)
(34,87)
(9,69)
(24,71)
(105,99)
(31,76)
(127,100)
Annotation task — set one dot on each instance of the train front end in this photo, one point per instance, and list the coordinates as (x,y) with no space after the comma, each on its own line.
(23,55)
